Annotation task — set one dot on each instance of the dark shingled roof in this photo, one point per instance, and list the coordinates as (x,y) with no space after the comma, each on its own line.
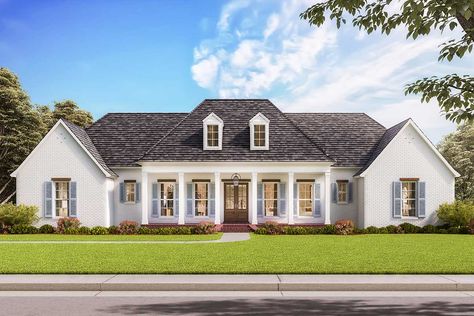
(348,138)
(185,141)
(122,138)
(384,141)
(88,144)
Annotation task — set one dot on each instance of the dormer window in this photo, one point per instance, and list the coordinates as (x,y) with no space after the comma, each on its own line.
(212,132)
(259,132)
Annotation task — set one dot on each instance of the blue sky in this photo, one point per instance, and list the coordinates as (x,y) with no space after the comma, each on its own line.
(151,56)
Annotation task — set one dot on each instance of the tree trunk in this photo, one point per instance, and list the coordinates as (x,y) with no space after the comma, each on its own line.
(5,186)
(467,25)
(8,198)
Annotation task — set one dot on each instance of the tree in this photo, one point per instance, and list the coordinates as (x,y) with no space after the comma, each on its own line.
(454,93)
(69,110)
(458,149)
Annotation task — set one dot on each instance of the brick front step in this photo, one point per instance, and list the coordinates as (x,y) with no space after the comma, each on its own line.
(235,228)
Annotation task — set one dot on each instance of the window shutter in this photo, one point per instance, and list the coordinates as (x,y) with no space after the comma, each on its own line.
(138,192)
(317,200)
(259,199)
(295,198)
(334,192)
(421,199)
(397,199)
(350,193)
(282,199)
(155,201)
(48,199)
(122,192)
(176,200)
(72,199)
(189,200)
(212,201)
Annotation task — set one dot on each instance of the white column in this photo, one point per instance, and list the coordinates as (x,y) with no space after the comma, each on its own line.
(254,199)
(145,201)
(327,198)
(291,193)
(217,198)
(181,199)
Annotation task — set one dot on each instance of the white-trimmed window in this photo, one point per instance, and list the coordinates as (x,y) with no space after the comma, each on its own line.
(259,132)
(130,191)
(342,191)
(213,128)
(409,199)
(167,198)
(270,198)
(201,199)
(62,198)
(305,199)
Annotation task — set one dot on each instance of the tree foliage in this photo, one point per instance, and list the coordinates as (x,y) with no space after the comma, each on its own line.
(419,17)
(70,111)
(458,149)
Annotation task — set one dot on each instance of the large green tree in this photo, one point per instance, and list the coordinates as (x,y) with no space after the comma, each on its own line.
(454,93)
(70,111)
(458,149)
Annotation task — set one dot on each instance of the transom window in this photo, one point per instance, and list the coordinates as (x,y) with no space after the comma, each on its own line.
(259,136)
(305,199)
(409,198)
(62,198)
(342,191)
(201,198)
(130,192)
(270,198)
(167,198)
(213,135)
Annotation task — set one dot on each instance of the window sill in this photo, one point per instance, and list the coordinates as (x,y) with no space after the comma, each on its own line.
(129,203)
(410,217)
(342,203)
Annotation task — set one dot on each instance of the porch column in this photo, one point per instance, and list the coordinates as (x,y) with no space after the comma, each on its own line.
(291,193)
(327,198)
(254,199)
(181,199)
(144,198)
(217,198)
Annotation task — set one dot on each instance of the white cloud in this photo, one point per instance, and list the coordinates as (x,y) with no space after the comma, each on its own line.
(272,24)
(205,71)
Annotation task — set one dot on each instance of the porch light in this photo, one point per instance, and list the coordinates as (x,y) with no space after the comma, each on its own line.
(235,179)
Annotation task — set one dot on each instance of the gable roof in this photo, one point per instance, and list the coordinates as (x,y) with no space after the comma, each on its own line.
(184,141)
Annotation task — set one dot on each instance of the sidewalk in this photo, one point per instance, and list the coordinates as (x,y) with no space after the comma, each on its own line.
(271,282)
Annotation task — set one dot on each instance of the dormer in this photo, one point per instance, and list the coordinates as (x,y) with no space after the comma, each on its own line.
(259,132)
(213,128)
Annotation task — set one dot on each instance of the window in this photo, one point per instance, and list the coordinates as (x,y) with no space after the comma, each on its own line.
(130,192)
(167,198)
(62,198)
(342,195)
(201,202)
(270,198)
(409,198)
(259,130)
(305,199)
(212,135)
(213,129)
(259,136)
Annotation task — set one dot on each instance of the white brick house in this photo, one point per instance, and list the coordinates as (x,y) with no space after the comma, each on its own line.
(236,161)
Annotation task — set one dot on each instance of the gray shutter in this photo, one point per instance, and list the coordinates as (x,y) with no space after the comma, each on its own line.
(189,200)
(176,200)
(350,194)
(295,198)
(421,197)
(122,192)
(334,192)
(138,192)
(48,199)
(72,199)
(155,200)
(397,199)
(317,200)
(212,201)
(259,199)
(282,199)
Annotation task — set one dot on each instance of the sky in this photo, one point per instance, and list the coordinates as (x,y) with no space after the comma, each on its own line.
(167,56)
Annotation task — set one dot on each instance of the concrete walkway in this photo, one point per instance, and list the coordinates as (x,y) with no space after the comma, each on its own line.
(269,282)
(226,237)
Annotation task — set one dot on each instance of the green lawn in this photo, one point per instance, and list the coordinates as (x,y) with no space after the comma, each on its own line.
(55,237)
(262,254)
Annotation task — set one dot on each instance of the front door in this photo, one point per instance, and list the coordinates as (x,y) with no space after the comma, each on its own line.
(236,200)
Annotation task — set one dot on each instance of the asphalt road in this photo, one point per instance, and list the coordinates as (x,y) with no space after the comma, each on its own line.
(237,303)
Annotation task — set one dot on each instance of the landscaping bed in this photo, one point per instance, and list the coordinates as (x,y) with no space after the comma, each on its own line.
(60,237)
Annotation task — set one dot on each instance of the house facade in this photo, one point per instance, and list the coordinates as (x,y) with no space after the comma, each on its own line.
(236,161)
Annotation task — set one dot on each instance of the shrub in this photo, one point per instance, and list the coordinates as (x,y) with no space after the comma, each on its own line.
(11,214)
(71,231)
(204,228)
(113,230)
(261,231)
(99,230)
(372,230)
(67,222)
(453,230)
(296,230)
(360,231)
(128,227)
(273,228)
(23,229)
(145,231)
(456,214)
(464,230)
(84,230)
(328,230)
(442,231)
(344,227)
(429,229)
(410,228)
(46,229)
(392,229)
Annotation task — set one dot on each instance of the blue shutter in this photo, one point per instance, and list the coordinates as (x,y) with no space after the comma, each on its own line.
(189,200)
(295,198)
(122,192)
(155,200)
(48,199)
(334,192)
(421,197)
(72,199)
(282,199)
(350,193)
(259,199)
(176,200)
(317,200)
(212,201)
(138,192)
(397,199)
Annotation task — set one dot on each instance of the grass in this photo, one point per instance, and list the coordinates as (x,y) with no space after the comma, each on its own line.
(407,253)
(56,237)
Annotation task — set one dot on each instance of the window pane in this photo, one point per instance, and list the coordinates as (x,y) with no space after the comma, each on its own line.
(270,192)
(62,198)
(201,207)
(259,135)
(305,199)
(212,135)
(342,191)
(229,198)
(409,198)
(242,202)
(129,192)
(167,198)
(200,197)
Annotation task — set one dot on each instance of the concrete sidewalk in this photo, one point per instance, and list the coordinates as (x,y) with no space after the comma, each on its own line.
(270,282)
